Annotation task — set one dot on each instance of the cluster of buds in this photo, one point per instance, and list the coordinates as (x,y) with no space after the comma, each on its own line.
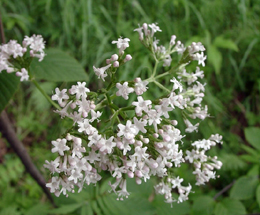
(13,54)
(138,141)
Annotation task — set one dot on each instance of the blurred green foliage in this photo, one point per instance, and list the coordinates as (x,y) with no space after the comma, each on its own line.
(230,31)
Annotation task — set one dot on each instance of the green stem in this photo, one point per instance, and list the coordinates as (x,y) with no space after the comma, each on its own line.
(45,95)
(155,67)
(161,86)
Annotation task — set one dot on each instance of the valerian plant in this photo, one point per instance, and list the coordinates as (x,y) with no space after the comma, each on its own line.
(138,141)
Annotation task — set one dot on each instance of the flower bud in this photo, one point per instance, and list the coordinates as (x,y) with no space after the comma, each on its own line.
(116,64)
(128,57)
(114,57)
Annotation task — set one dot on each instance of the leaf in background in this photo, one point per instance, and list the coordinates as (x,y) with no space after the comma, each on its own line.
(258,195)
(58,66)
(39,101)
(8,85)
(215,58)
(253,136)
(229,207)
(232,162)
(166,209)
(221,42)
(244,188)
(203,205)
(39,209)
(65,209)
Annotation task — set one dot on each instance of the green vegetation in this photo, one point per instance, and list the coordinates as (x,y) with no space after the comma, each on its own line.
(84,29)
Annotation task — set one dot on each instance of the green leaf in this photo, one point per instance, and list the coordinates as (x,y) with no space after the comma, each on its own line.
(39,209)
(215,58)
(258,195)
(166,209)
(253,136)
(230,207)
(58,66)
(203,205)
(221,42)
(65,209)
(8,85)
(244,188)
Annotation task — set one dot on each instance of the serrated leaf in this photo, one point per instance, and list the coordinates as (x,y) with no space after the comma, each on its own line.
(230,207)
(258,195)
(221,42)
(9,83)
(232,161)
(253,136)
(244,188)
(65,209)
(215,58)
(58,66)
(203,209)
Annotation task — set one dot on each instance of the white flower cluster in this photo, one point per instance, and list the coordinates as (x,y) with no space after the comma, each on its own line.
(12,52)
(141,146)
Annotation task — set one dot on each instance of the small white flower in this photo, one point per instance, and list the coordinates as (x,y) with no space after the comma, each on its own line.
(101,72)
(59,146)
(60,95)
(23,74)
(154,28)
(141,105)
(79,89)
(200,58)
(121,43)
(124,90)
(140,86)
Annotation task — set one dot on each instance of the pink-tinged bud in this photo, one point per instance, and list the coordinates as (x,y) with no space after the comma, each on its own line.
(73,105)
(116,64)
(137,80)
(169,164)
(114,57)
(92,106)
(131,141)
(31,53)
(145,117)
(108,61)
(159,145)
(138,173)
(138,181)
(174,122)
(160,131)
(155,135)
(24,50)
(145,27)
(139,143)
(119,144)
(154,165)
(128,57)
(130,174)
(146,140)
(85,114)
(68,137)
(167,138)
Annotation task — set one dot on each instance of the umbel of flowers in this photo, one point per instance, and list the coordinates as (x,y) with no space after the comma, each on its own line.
(13,56)
(138,141)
